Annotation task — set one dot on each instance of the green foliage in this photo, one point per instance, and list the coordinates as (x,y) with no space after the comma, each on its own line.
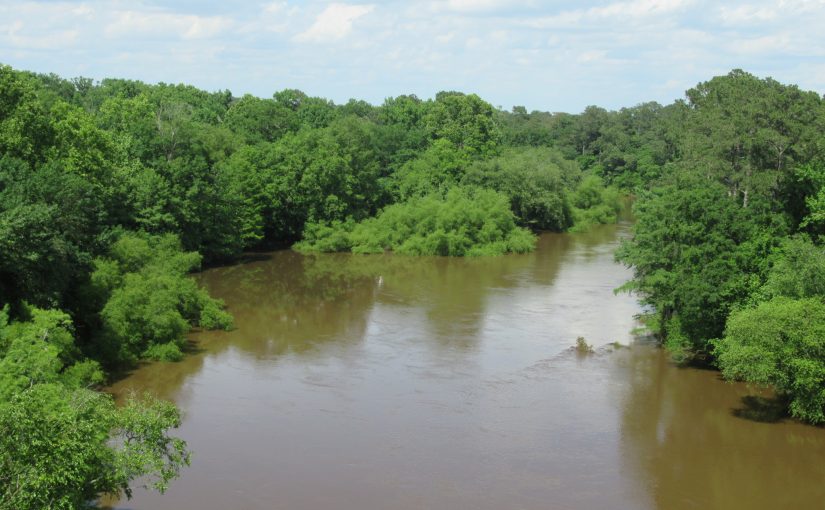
(736,170)
(536,129)
(582,347)
(696,253)
(464,120)
(41,350)
(594,204)
(780,343)
(61,444)
(170,351)
(535,181)
(148,302)
(63,448)
(811,186)
(464,222)
(314,175)
(260,120)
(437,169)
(749,133)
(53,206)
(798,272)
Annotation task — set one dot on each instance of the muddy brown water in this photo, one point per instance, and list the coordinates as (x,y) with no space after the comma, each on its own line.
(388,382)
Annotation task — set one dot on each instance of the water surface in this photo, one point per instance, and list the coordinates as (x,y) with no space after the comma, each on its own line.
(388,382)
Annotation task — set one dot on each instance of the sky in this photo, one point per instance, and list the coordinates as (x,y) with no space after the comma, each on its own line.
(545,55)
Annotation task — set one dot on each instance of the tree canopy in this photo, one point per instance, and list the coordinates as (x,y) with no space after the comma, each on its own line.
(112,192)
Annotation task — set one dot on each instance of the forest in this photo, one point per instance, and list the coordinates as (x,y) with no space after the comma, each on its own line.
(113,192)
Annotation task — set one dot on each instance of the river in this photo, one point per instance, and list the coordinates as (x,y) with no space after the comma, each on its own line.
(389,382)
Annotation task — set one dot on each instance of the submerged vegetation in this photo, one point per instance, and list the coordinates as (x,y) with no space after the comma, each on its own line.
(582,347)
(112,192)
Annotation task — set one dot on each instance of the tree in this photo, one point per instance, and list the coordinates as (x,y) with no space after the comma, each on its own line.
(535,182)
(41,350)
(747,133)
(63,445)
(438,168)
(146,302)
(696,253)
(260,120)
(63,449)
(464,120)
(780,343)
(798,270)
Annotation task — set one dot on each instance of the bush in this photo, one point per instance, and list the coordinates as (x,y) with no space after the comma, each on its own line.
(594,204)
(780,343)
(164,352)
(465,222)
(534,180)
(150,302)
(582,347)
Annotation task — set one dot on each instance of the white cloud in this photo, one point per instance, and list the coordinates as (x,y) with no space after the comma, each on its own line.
(778,43)
(35,26)
(609,52)
(275,7)
(640,8)
(445,38)
(474,43)
(746,14)
(166,24)
(633,10)
(475,5)
(592,56)
(333,23)
(20,38)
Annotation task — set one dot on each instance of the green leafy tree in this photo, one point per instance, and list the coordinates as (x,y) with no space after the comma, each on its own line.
(466,121)
(535,182)
(438,168)
(260,120)
(696,253)
(39,350)
(63,448)
(798,271)
(146,301)
(780,343)
(747,133)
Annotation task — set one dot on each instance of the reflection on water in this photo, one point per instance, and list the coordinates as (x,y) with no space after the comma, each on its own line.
(402,382)
(681,436)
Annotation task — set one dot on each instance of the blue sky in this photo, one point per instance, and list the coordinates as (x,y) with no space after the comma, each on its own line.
(550,55)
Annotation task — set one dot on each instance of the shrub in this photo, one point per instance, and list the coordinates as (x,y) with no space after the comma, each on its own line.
(780,343)
(582,347)
(466,221)
(150,302)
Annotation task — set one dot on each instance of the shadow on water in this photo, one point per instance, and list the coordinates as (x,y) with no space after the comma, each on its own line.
(762,409)
(684,440)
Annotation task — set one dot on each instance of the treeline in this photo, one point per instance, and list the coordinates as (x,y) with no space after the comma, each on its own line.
(112,192)
(728,243)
